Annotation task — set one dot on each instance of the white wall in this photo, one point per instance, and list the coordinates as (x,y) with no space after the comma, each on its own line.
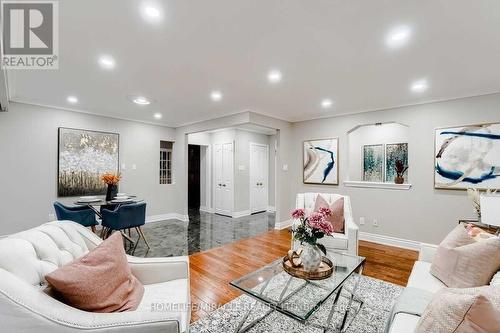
(422,213)
(28,167)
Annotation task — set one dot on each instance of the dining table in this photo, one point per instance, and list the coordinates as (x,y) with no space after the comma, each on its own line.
(97,203)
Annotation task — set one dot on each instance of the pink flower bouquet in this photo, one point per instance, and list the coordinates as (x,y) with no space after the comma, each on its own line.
(313,227)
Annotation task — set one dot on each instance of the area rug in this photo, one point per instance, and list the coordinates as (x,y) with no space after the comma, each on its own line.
(378,297)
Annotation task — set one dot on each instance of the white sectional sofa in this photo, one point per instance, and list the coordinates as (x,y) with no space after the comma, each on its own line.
(25,305)
(421,278)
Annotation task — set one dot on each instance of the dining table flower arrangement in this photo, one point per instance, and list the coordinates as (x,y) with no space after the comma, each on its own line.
(112,181)
(308,231)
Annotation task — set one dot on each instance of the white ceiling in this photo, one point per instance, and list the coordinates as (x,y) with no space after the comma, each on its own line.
(324,48)
(249,128)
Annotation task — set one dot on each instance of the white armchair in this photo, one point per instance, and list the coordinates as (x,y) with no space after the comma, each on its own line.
(25,305)
(346,243)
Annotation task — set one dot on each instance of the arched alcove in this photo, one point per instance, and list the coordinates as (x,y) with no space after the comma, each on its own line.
(373,150)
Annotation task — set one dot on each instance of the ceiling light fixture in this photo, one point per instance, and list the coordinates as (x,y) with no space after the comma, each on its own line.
(72,99)
(141,100)
(419,86)
(216,96)
(107,62)
(326,103)
(274,76)
(157,116)
(150,12)
(398,36)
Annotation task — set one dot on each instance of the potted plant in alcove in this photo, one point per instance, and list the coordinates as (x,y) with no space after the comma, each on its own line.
(400,169)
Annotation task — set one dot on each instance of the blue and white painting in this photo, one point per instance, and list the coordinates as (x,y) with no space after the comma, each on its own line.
(321,161)
(394,152)
(373,163)
(467,157)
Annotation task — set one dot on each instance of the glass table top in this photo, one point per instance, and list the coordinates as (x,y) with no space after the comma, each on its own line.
(295,297)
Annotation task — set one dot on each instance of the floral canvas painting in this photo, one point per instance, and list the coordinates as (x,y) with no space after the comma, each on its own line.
(320,162)
(373,163)
(83,157)
(467,157)
(394,152)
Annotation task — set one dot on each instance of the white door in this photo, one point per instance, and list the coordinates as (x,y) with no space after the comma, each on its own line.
(259,169)
(223,178)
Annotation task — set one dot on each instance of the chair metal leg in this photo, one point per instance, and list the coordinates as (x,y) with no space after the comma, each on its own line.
(141,233)
(93,228)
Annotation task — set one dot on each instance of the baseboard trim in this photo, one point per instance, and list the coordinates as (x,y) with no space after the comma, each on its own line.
(206,209)
(236,215)
(271,209)
(391,241)
(169,216)
(283,224)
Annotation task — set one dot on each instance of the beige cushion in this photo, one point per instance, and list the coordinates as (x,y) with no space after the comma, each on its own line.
(463,262)
(337,207)
(465,310)
(100,281)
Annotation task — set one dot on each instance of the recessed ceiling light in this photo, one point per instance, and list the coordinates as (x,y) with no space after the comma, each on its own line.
(419,86)
(107,62)
(141,100)
(274,76)
(72,99)
(216,96)
(326,103)
(157,116)
(398,36)
(150,12)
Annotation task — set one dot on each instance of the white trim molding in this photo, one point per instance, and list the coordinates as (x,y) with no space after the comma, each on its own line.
(236,215)
(391,241)
(169,216)
(283,224)
(206,209)
(271,209)
(387,186)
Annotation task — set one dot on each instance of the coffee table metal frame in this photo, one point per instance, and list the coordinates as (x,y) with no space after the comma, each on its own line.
(276,307)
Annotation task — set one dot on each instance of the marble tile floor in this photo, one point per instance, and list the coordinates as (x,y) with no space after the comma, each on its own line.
(204,231)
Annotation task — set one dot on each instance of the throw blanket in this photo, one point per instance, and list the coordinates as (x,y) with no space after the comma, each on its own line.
(412,301)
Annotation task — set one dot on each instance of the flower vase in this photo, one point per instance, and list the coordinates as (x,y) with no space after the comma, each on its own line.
(311,257)
(399,180)
(111,192)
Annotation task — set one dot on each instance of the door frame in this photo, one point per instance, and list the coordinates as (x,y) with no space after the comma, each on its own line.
(214,179)
(250,164)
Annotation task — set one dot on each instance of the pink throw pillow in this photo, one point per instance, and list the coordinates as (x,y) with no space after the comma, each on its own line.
(337,218)
(463,262)
(100,281)
(462,310)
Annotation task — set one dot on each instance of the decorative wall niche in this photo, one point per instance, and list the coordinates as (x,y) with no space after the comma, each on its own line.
(373,150)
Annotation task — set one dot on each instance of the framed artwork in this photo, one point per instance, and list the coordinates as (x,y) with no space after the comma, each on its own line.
(320,161)
(83,156)
(467,157)
(373,163)
(394,152)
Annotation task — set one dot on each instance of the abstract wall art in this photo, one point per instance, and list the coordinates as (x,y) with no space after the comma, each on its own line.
(83,156)
(373,163)
(394,152)
(320,162)
(467,157)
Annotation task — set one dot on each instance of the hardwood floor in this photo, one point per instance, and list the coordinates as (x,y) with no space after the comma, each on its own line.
(212,270)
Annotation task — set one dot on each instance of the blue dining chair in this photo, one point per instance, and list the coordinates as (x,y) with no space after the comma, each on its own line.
(79,214)
(125,217)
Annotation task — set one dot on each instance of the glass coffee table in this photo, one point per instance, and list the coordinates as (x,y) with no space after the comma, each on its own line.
(298,298)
